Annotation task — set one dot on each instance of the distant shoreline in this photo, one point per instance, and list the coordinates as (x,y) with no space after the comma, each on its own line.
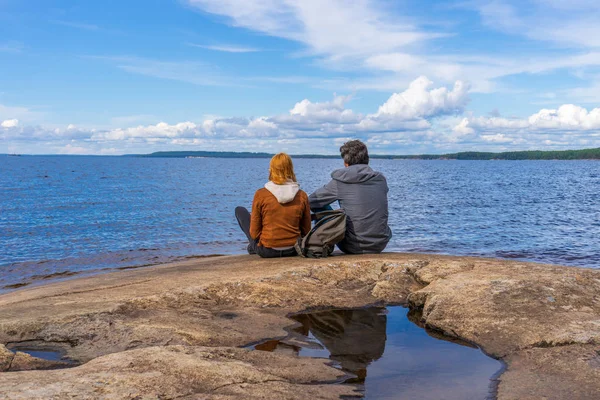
(583,154)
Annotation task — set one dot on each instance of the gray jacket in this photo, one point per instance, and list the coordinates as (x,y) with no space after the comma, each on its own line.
(362,194)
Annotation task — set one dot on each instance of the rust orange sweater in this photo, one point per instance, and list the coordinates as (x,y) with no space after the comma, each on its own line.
(279,225)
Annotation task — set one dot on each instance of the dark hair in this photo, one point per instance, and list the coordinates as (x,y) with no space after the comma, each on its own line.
(355,152)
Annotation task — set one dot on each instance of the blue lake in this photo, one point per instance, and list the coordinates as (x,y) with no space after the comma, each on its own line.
(64,214)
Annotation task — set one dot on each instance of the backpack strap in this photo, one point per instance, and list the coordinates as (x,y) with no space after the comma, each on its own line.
(298,247)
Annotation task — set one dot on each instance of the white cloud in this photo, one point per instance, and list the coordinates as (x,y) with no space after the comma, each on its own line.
(196,73)
(262,123)
(160,130)
(12,132)
(463,128)
(567,116)
(396,62)
(566,127)
(10,123)
(490,123)
(420,101)
(405,111)
(567,23)
(74,149)
(306,108)
(329,111)
(497,138)
(331,28)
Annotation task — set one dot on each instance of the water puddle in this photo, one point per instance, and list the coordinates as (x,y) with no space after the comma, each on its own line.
(45,356)
(390,356)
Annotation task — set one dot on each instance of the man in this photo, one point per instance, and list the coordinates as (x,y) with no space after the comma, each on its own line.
(362,194)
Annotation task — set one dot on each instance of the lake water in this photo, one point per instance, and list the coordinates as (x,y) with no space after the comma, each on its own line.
(390,357)
(65,214)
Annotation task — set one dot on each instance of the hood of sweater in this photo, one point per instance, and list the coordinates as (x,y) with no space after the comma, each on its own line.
(357,173)
(283,193)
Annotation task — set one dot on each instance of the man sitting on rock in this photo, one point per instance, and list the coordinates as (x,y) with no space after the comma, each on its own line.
(362,194)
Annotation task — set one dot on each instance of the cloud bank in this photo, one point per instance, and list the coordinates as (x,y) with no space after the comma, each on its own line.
(421,118)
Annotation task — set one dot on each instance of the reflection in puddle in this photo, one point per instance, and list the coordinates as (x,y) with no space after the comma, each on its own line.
(390,356)
(45,355)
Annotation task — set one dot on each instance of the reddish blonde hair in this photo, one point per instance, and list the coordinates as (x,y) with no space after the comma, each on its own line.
(281,169)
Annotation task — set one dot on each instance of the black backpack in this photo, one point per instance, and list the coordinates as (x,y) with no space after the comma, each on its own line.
(329,230)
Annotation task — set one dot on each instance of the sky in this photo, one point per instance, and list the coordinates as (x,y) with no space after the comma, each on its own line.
(304,76)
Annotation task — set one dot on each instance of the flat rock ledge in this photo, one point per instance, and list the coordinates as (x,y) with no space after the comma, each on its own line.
(177,330)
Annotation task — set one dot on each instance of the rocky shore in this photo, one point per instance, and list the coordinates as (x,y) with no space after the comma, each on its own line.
(176,330)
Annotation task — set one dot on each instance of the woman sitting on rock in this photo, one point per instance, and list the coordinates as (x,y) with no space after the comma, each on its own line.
(280,212)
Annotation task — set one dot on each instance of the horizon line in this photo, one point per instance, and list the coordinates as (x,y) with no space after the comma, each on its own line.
(313,155)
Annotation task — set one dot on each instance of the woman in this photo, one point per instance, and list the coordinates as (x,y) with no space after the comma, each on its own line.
(280,212)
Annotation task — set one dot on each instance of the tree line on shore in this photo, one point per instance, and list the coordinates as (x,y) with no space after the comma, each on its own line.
(584,154)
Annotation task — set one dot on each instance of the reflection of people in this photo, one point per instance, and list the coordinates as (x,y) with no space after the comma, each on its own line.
(280,212)
(362,193)
(354,338)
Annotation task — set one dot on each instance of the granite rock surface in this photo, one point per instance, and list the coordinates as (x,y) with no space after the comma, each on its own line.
(144,333)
